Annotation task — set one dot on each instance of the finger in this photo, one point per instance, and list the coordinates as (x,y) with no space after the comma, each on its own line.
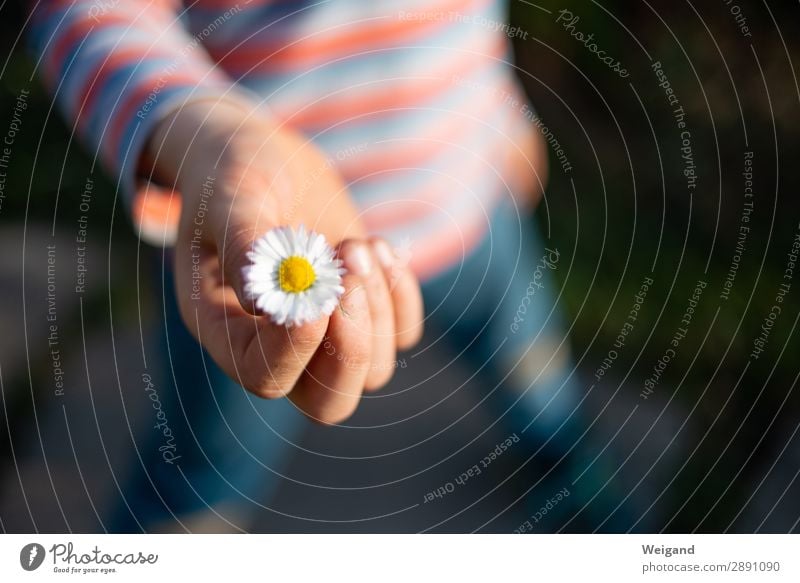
(329,390)
(364,264)
(406,295)
(237,221)
(264,358)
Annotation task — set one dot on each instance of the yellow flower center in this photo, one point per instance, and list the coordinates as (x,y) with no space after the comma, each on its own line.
(296,274)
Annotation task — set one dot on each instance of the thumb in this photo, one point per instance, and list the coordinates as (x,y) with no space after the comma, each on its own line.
(236,223)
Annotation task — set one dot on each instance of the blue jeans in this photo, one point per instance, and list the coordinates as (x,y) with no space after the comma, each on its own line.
(496,309)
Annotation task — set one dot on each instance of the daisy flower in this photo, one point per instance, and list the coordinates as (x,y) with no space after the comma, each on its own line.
(293,276)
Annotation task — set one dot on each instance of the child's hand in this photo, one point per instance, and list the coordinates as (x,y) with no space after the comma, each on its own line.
(240,177)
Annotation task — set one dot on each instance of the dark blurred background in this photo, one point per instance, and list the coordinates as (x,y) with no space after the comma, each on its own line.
(715,447)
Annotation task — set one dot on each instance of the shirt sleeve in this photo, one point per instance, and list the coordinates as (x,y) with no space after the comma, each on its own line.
(116,68)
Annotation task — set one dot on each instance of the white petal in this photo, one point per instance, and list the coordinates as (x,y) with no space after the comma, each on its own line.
(262,276)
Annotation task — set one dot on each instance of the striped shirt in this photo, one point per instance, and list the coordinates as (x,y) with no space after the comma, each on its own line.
(404,96)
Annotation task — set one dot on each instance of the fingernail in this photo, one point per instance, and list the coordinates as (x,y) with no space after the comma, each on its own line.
(384,253)
(359,260)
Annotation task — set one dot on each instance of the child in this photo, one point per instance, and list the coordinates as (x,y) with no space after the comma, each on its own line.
(386,125)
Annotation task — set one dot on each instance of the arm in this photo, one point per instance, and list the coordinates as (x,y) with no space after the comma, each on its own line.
(147,102)
(116,68)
